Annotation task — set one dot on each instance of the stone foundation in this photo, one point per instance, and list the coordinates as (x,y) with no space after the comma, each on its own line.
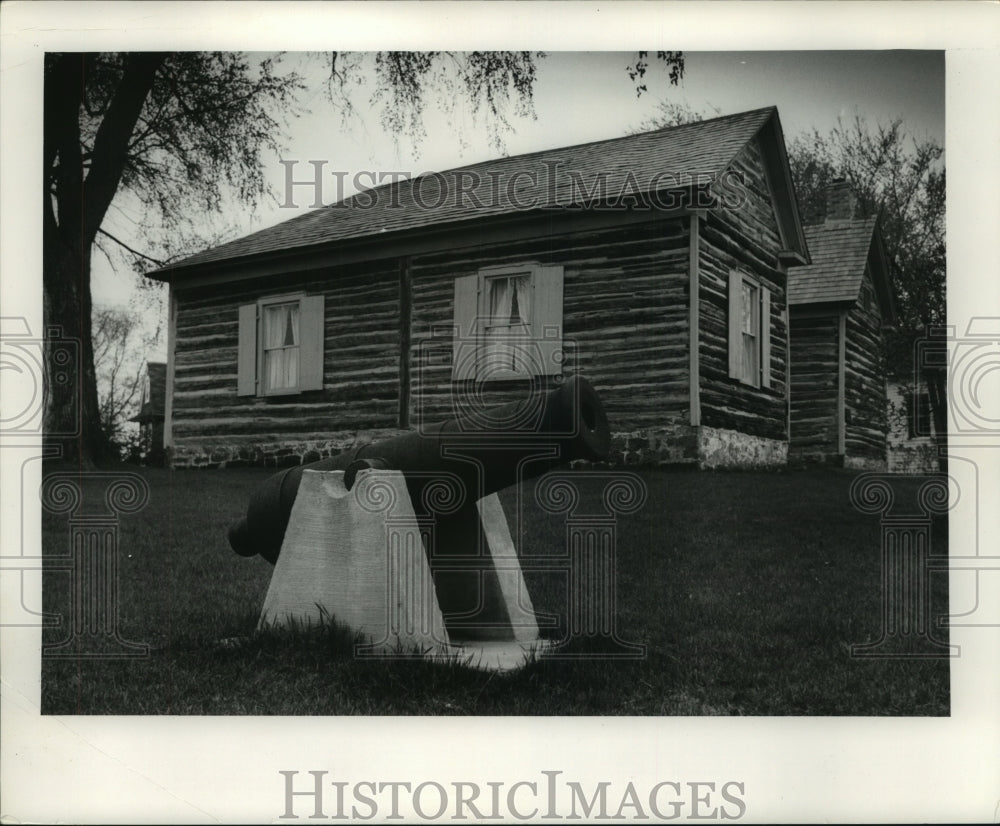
(799,458)
(864,463)
(913,458)
(803,459)
(719,448)
(674,445)
(680,445)
(272,454)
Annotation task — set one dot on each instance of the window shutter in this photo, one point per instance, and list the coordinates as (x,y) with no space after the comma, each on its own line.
(464,345)
(765,337)
(311,340)
(547,331)
(246,359)
(735,318)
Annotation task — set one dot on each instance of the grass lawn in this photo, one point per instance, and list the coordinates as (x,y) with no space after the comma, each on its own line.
(747,589)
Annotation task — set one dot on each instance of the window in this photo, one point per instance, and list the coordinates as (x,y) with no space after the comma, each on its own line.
(281,346)
(508,323)
(749,330)
(918,414)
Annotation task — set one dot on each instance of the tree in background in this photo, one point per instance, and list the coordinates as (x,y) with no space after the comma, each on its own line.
(121,345)
(169,130)
(176,134)
(673,113)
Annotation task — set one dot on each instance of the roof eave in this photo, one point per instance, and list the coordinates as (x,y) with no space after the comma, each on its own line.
(432,239)
(779,180)
(882,276)
(822,301)
(792,258)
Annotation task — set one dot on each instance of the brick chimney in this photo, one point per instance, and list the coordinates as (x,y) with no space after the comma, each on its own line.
(840,200)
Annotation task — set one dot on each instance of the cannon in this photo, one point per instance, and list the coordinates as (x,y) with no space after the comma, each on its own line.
(488,450)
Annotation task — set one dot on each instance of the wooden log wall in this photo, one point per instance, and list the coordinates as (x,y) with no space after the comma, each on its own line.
(625,324)
(361,366)
(865,404)
(624,320)
(815,354)
(745,237)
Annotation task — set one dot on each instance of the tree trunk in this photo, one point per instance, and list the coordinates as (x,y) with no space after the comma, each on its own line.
(73,210)
(72,418)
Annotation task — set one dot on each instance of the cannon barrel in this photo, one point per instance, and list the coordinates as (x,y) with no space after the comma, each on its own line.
(488,450)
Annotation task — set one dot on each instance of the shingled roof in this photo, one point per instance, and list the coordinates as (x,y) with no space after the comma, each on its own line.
(663,159)
(840,251)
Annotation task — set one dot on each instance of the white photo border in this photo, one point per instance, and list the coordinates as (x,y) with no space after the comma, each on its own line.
(226,769)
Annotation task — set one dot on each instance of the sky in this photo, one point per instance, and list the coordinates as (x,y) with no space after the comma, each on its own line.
(579,97)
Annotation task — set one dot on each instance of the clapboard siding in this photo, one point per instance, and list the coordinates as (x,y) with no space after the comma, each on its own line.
(865,393)
(624,320)
(361,362)
(815,355)
(741,237)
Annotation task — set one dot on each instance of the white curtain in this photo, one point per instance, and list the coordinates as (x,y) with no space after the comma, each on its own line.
(523,286)
(281,346)
(510,311)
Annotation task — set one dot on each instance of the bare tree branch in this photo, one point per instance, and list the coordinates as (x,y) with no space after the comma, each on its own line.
(135,252)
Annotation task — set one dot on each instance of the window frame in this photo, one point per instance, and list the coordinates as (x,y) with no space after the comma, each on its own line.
(749,288)
(262,305)
(250,379)
(487,276)
(471,320)
(918,405)
(760,373)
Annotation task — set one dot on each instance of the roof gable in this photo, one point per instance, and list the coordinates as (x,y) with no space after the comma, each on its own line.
(841,250)
(586,174)
(783,198)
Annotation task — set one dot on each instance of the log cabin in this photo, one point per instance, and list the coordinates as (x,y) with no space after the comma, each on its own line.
(839,305)
(654,264)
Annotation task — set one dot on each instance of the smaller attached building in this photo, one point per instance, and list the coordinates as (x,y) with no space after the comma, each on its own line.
(152,412)
(838,307)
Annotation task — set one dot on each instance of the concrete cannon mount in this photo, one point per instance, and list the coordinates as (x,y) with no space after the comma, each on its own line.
(405,541)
